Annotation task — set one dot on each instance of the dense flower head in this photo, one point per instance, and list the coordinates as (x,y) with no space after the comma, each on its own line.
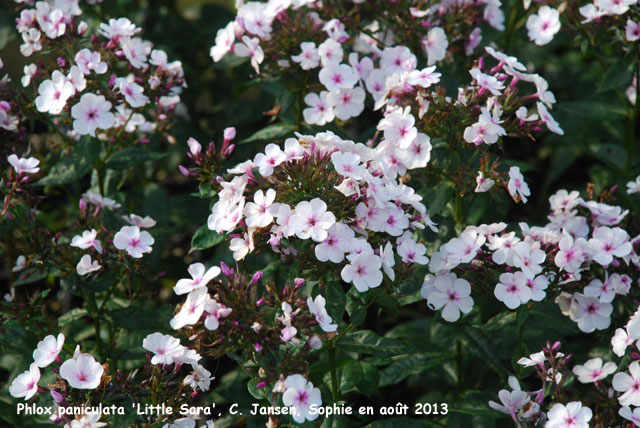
(565,253)
(349,190)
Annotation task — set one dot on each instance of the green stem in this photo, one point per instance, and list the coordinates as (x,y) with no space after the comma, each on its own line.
(334,376)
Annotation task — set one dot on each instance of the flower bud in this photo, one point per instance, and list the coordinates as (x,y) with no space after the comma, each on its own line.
(256,277)
(184,170)
(229,133)
(194,146)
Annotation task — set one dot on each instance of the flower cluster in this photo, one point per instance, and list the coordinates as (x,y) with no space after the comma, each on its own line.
(336,194)
(101,84)
(585,260)
(254,319)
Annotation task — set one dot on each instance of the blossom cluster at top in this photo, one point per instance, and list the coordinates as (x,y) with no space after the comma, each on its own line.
(334,193)
(241,317)
(582,255)
(339,62)
(91,83)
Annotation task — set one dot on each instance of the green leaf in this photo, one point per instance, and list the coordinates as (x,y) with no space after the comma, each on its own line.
(336,301)
(619,74)
(481,346)
(404,366)
(439,197)
(132,156)
(355,308)
(138,317)
(72,315)
(272,132)
(74,166)
(593,110)
(205,238)
(255,392)
(368,342)
(475,408)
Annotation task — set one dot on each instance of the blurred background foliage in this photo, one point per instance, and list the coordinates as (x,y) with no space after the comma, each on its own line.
(463,364)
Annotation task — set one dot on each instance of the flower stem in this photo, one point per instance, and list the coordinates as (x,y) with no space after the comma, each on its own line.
(334,375)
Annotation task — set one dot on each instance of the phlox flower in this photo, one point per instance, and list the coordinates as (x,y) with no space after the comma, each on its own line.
(319,111)
(132,92)
(536,359)
(512,401)
(435,45)
(363,271)
(330,51)
(347,102)
(200,378)
(487,82)
(573,415)
(89,61)
(348,165)
(418,154)
(200,277)
(537,285)
(87,240)
(591,313)
(412,252)
(518,188)
(541,27)
(609,242)
(397,59)
(629,385)
(483,183)
(141,222)
(86,265)
(603,290)
(90,420)
(134,241)
(224,41)
(272,157)
(26,384)
(82,371)
(388,261)
(309,57)
(425,77)
(452,295)
(259,213)
(53,94)
(465,247)
(335,244)
(250,47)
(335,76)
(548,119)
(136,51)
(528,257)
(571,253)
(48,350)
(633,416)
(300,395)
(242,246)
(31,43)
(633,186)
(317,308)
(310,219)
(24,165)
(76,78)
(163,346)
(512,289)
(116,29)
(593,370)
(399,127)
(91,113)
(191,310)
(213,312)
